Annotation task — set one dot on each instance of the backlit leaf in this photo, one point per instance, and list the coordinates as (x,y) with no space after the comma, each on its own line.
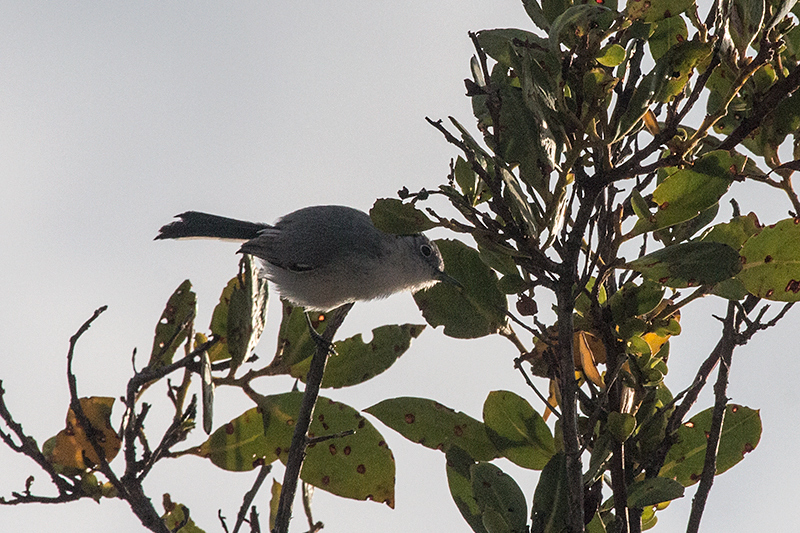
(358,466)
(435,426)
(357,361)
(688,192)
(71,447)
(459,480)
(771,266)
(172,329)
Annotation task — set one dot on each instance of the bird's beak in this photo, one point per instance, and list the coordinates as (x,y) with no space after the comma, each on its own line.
(447,278)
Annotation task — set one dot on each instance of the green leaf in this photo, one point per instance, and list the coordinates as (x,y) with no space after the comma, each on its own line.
(247,312)
(684,231)
(466,178)
(494,522)
(358,466)
(741,431)
(435,426)
(178,515)
(596,524)
(391,215)
(294,339)
(517,199)
(735,232)
(474,310)
(655,10)
(550,510)
(578,20)
(459,481)
(667,79)
(640,206)
(536,13)
(668,32)
(611,55)
(244,444)
(274,503)
(172,329)
(601,454)
(553,8)
(497,43)
(499,498)
(771,267)
(688,192)
(689,264)
(653,491)
(512,284)
(621,425)
(496,255)
(239,317)
(745,22)
(357,361)
(219,323)
(633,300)
(517,430)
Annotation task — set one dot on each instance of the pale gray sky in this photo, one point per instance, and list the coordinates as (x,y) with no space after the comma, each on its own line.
(116,116)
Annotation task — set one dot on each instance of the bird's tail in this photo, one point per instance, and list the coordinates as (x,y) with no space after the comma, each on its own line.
(194,224)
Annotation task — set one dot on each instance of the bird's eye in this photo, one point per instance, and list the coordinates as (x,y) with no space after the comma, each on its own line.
(425,250)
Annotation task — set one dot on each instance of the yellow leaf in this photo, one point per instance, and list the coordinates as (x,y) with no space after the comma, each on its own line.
(589,351)
(72,448)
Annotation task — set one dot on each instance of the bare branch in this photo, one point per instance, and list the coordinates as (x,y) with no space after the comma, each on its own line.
(297,450)
(250,495)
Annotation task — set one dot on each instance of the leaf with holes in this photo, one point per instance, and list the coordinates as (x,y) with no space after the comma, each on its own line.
(358,466)
(771,266)
(172,329)
(357,361)
(71,448)
(668,32)
(656,10)
(741,431)
(435,426)
(239,317)
(248,441)
(690,191)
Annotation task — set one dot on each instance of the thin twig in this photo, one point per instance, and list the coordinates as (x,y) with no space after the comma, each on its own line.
(250,495)
(297,450)
(323,438)
(518,366)
(68,491)
(717,418)
(133,493)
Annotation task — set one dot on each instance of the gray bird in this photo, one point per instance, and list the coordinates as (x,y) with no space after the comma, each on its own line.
(322,257)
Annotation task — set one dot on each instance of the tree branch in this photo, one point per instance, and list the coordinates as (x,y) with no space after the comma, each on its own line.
(297,451)
(250,496)
(718,415)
